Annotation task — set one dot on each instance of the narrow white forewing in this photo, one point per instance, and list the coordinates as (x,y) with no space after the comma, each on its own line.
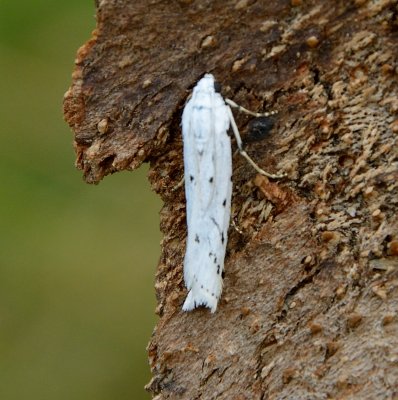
(208,189)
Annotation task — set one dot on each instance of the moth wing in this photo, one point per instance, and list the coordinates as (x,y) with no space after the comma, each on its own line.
(208,207)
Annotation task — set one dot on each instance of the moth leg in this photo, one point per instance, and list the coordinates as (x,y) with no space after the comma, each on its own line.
(179,184)
(245,110)
(236,226)
(243,152)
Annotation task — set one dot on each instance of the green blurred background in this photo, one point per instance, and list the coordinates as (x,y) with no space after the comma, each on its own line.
(76,276)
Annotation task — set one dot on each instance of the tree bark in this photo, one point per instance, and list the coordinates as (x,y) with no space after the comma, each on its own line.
(309,306)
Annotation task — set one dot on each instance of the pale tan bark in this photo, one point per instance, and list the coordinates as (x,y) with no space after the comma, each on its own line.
(309,307)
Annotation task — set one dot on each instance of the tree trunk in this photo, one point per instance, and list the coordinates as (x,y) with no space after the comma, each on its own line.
(309,305)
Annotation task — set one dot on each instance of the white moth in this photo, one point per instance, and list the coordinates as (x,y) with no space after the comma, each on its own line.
(208,188)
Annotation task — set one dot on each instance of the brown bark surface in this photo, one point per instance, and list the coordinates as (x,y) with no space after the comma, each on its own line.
(309,307)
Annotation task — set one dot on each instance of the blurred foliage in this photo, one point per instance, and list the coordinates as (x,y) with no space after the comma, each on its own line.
(76,276)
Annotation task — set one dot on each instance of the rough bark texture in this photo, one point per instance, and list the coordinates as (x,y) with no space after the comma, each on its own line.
(309,307)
